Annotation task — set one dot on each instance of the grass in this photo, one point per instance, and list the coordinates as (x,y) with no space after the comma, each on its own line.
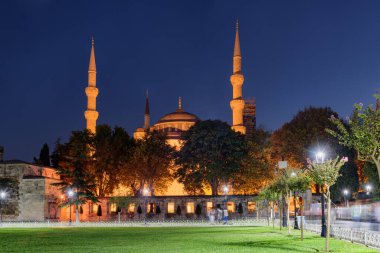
(166,239)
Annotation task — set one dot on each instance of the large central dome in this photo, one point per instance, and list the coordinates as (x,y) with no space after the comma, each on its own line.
(175,123)
(178,116)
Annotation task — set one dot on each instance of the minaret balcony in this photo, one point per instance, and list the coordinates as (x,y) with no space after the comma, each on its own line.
(91,91)
(237,104)
(237,79)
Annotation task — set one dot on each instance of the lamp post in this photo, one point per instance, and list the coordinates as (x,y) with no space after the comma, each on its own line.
(293,174)
(145,193)
(345,194)
(283,165)
(70,194)
(320,158)
(3,196)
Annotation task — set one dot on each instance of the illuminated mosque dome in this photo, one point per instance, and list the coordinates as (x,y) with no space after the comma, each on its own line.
(173,124)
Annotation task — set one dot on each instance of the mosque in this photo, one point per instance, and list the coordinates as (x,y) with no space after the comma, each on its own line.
(179,121)
(33,198)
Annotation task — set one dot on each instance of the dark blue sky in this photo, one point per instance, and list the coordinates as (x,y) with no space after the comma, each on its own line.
(295,54)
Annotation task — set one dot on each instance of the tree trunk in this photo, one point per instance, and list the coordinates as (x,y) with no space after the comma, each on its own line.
(257,210)
(214,188)
(280,213)
(272,214)
(301,206)
(377,163)
(288,214)
(328,217)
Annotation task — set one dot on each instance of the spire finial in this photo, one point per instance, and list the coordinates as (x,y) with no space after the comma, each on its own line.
(92,64)
(179,104)
(147,103)
(237,51)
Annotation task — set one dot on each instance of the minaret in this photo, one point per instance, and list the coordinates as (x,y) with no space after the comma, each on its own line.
(146,114)
(237,80)
(92,92)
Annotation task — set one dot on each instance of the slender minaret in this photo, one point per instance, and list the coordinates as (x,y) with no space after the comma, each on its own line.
(237,80)
(146,114)
(92,92)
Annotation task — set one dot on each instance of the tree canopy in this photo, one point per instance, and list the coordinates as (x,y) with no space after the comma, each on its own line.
(257,167)
(210,155)
(362,133)
(150,164)
(44,158)
(295,140)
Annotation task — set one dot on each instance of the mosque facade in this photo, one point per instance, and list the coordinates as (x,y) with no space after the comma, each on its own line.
(175,123)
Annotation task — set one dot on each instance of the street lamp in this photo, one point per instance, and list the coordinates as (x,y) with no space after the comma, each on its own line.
(3,196)
(293,174)
(368,188)
(320,158)
(70,194)
(145,193)
(345,194)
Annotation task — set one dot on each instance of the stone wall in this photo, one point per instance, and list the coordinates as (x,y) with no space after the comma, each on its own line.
(29,196)
(168,206)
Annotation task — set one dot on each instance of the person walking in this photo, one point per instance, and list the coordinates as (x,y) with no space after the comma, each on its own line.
(225,216)
(219,215)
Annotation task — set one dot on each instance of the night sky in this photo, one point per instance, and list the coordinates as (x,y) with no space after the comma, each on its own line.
(295,54)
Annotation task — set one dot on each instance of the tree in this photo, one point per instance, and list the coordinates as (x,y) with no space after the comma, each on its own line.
(211,154)
(361,133)
(256,168)
(198,210)
(44,158)
(151,164)
(326,174)
(370,171)
(306,132)
(73,169)
(178,211)
(99,212)
(282,187)
(112,150)
(349,178)
(121,202)
(270,195)
(299,182)
(295,139)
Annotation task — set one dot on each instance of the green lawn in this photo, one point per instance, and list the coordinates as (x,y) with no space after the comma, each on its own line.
(166,239)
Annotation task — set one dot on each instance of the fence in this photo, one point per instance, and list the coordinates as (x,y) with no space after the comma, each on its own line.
(361,236)
(141,223)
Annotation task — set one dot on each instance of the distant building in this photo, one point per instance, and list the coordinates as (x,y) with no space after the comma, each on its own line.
(29,193)
(249,118)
